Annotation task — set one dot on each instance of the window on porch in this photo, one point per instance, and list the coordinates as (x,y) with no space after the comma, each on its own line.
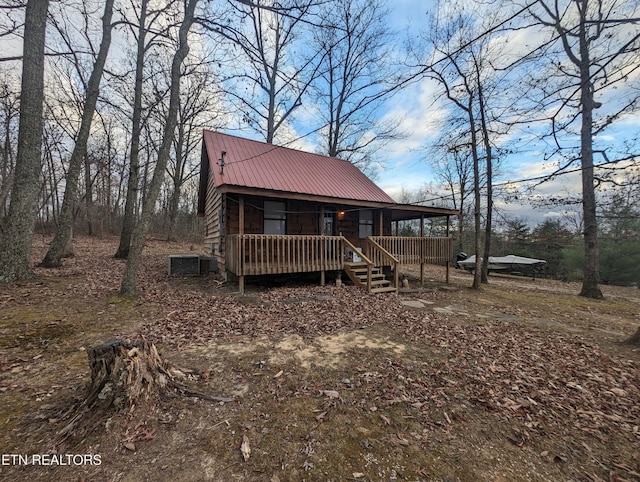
(365,226)
(275,217)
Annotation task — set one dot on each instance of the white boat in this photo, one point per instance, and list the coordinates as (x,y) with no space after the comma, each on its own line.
(508,264)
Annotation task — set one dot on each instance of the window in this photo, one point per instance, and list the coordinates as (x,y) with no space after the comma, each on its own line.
(275,217)
(329,224)
(366,224)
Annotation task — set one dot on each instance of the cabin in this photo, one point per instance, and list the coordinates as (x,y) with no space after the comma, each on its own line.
(271,210)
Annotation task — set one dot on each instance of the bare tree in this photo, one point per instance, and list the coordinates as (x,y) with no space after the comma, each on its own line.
(150,29)
(129,279)
(128,221)
(453,164)
(9,116)
(199,107)
(15,250)
(59,245)
(356,75)
(273,75)
(593,49)
(460,62)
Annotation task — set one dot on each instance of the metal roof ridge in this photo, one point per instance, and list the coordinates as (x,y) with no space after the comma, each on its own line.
(244,139)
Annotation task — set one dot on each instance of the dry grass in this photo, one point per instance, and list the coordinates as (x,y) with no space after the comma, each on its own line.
(521,381)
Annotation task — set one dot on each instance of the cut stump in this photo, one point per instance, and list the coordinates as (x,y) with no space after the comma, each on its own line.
(126,374)
(123,374)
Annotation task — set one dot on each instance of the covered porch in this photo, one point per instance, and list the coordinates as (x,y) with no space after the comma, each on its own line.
(363,247)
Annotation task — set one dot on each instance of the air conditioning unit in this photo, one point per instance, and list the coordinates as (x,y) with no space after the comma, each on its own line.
(184,264)
(208,265)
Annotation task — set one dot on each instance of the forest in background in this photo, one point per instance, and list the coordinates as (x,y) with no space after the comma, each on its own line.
(119,92)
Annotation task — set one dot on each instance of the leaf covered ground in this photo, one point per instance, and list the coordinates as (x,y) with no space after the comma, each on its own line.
(521,381)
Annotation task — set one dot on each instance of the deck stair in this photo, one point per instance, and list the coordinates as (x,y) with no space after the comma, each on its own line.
(357,273)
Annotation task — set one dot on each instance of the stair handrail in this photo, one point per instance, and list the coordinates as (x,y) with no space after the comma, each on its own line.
(388,255)
(364,258)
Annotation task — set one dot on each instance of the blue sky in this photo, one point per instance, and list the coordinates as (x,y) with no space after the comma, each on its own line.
(407,166)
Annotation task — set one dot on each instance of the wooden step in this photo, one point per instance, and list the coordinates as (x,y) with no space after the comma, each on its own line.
(385,289)
(380,282)
(373,276)
(358,272)
(364,271)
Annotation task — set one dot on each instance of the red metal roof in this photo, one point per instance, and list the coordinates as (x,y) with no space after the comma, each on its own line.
(253,164)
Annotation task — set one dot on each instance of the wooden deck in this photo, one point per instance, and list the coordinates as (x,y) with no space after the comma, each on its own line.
(262,254)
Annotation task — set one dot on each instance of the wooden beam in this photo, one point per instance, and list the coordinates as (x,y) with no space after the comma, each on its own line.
(449,250)
(241,284)
(422,254)
(241,215)
(381,227)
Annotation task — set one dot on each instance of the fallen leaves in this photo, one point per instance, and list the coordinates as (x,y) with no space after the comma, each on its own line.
(542,381)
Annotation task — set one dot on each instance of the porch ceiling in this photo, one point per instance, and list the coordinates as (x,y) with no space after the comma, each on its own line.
(399,212)
(406,212)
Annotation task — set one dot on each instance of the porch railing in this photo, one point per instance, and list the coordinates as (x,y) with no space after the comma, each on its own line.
(380,256)
(258,254)
(252,254)
(413,250)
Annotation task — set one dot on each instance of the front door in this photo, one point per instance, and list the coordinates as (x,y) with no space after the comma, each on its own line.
(329,224)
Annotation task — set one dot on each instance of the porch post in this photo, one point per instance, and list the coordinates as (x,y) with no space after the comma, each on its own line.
(323,246)
(381,228)
(448,246)
(241,215)
(241,231)
(241,284)
(422,254)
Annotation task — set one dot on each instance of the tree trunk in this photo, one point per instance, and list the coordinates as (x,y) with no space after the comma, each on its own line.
(131,201)
(15,250)
(477,278)
(489,170)
(590,287)
(88,196)
(178,176)
(129,279)
(56,251)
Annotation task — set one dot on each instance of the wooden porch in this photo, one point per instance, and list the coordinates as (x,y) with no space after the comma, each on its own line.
(263,254)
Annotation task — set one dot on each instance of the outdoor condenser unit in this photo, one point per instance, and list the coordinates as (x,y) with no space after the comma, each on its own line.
(184,264)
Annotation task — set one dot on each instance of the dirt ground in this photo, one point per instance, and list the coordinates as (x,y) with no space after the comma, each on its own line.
(521,381)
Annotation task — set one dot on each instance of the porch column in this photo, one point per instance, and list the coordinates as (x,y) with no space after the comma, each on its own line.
(449,250)
(381,228)
(322,245)
(241,215)
(241,231)
(422,254)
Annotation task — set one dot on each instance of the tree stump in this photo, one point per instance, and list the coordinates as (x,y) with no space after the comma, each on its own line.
(124,373)
(127,374)
(634,339)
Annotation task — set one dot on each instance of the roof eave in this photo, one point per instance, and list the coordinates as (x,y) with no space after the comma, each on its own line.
(399,212)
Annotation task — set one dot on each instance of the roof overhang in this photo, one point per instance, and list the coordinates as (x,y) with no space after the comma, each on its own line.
(406,212)
(399,212)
